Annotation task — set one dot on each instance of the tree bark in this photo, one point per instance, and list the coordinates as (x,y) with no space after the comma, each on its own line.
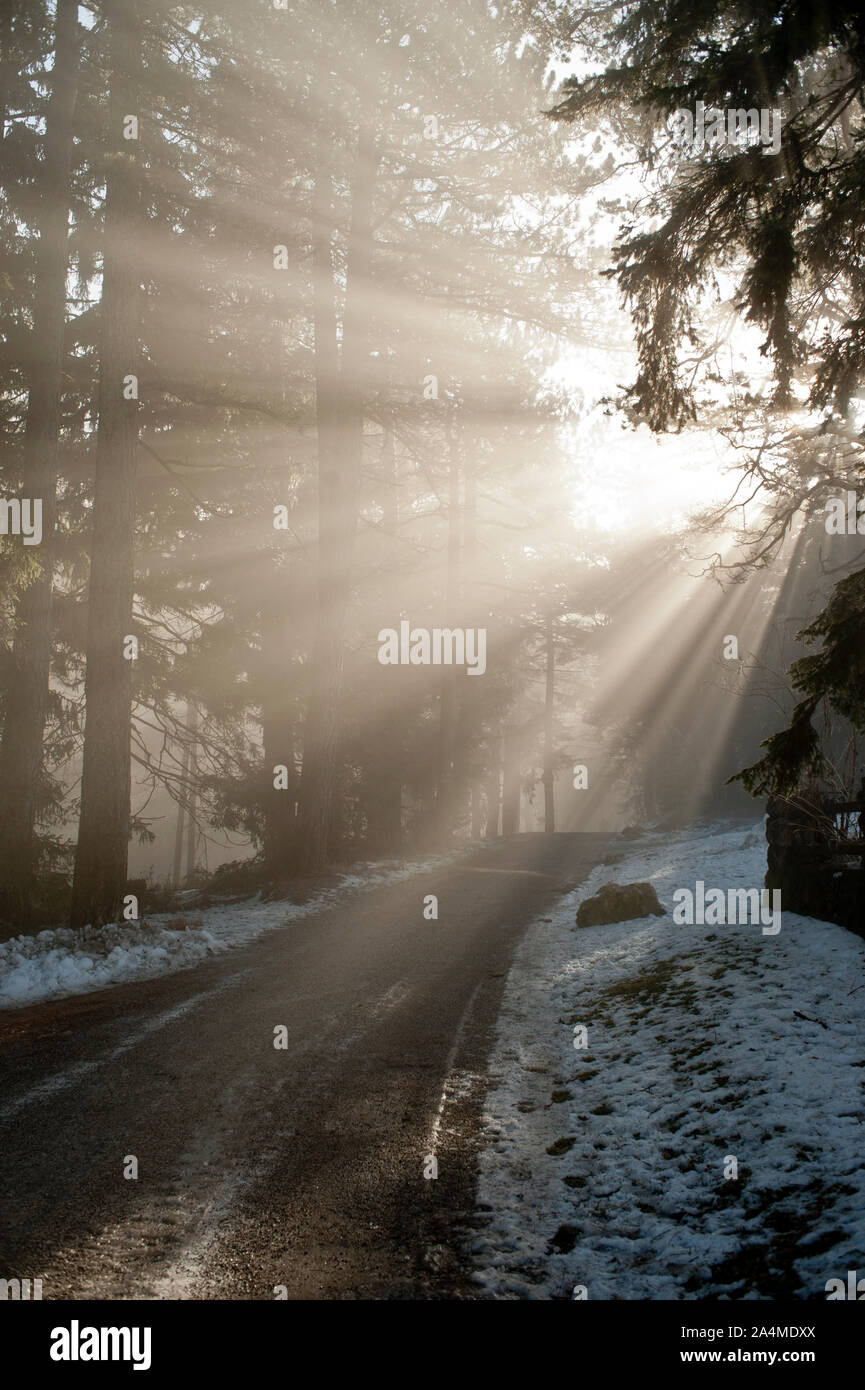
(27,690)
(103,834)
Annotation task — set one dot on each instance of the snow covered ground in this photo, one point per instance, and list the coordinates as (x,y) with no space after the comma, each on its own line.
(60,961)
(605,1167)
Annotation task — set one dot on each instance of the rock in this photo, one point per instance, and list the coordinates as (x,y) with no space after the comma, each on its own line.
(619,902)
(565,1239)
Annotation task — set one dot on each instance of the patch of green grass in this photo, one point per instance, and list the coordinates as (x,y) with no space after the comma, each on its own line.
(645,987)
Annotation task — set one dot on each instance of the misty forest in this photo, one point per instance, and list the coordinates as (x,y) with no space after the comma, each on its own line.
(432,494)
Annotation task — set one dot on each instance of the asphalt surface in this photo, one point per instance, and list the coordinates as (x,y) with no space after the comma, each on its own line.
(300,1169)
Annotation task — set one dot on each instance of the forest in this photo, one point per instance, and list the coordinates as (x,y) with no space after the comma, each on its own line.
(432,479)
(296,349)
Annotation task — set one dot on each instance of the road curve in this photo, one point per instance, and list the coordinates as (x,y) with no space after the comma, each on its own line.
(297,1169)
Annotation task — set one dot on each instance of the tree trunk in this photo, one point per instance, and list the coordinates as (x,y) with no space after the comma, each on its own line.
(382,800)
(493,800)
(103,833)
(445,802)
(192,824)
(279,809)
(511,782)
(477,808)
(470,737)
(177,868)
(339,420)
(27,689)
(384,747)
(549,758)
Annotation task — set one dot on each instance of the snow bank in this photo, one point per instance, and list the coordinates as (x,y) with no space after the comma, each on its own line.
(60,961)
(605,1167)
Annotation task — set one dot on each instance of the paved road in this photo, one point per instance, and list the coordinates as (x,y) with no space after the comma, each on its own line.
(300,1167)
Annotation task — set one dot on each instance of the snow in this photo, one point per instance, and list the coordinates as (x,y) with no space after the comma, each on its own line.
(59,961)
(705,1043)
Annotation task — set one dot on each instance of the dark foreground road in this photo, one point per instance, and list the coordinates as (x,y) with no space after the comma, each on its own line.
(260,1167)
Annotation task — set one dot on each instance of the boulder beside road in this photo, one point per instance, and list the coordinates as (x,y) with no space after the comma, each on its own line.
(619,902)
